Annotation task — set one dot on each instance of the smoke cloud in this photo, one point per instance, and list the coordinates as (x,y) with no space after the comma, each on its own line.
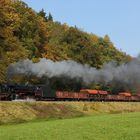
(128,74)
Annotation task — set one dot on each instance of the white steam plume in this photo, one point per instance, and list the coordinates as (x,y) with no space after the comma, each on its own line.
(126,73)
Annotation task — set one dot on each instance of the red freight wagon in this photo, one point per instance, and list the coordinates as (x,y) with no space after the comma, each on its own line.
(89,91)
(97,95)
(93,94)
(102,92)
(127,94)
(102,95)
(121,98)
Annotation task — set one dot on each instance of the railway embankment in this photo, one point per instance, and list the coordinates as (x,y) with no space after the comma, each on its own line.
(18,112)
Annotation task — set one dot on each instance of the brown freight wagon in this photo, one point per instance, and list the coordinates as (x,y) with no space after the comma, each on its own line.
(60,95)
(115,98)
(138,95)
(110,98)
(135,98)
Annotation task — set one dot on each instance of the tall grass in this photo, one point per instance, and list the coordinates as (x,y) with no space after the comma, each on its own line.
(26,111)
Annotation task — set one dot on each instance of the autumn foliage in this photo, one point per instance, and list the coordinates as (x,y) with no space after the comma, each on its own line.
(24,33)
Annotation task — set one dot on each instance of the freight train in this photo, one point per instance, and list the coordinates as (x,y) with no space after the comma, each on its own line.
(44,93)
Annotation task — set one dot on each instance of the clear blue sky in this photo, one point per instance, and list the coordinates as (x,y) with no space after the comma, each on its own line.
(120,19)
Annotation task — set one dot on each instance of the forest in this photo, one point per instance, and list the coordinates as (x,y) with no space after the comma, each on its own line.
(25,33)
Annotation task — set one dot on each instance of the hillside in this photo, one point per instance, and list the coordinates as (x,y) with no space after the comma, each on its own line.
(24,33)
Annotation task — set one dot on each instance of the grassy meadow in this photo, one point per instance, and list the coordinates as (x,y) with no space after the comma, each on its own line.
(125,126)
(69,121)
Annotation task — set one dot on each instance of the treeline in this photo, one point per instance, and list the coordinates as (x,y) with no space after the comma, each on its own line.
(24,33)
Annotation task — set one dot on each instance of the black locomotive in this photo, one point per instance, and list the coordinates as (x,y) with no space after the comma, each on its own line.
(14,91)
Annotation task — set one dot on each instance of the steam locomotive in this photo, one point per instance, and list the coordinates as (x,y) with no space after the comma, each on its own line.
(45,93)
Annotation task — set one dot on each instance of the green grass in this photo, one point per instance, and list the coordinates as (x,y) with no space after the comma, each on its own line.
(125,126)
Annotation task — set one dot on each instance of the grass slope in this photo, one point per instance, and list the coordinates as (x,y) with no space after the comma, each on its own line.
(26,111)
(99,127)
